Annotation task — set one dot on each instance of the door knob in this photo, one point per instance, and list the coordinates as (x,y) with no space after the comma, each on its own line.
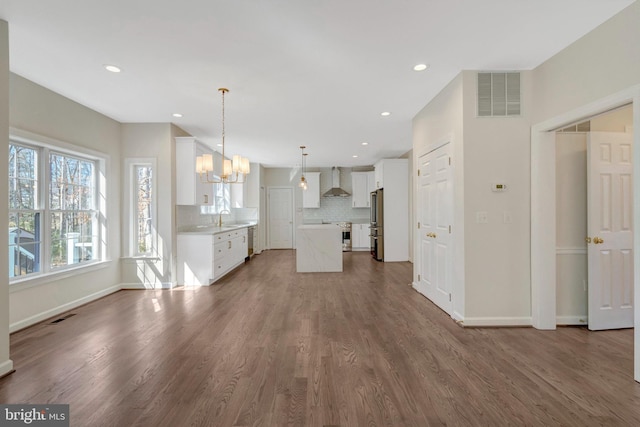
(588,240)
(597,240)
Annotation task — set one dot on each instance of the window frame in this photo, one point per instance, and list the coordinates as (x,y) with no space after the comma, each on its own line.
(44,147)
(131,182)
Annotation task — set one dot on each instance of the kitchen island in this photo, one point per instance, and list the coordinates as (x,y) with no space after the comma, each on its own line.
(318,248)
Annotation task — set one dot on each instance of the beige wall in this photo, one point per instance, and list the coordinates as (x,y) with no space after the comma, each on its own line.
(442,121)
(495,285)
(6,365)
(157,141)
(571,227)
(496,150)
(601,63)
(42,112)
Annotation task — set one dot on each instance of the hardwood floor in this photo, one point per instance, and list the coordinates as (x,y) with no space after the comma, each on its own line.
(267,346)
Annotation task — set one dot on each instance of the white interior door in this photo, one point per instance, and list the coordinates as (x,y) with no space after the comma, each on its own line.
(610,235)
(280,218)
(435,217)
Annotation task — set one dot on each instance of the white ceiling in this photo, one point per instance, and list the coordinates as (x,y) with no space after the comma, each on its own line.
(300,72)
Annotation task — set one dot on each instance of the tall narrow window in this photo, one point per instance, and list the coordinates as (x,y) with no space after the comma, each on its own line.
(143,212)
(24,212)
(73,214)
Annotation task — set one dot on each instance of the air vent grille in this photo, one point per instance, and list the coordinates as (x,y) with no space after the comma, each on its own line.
(498,94)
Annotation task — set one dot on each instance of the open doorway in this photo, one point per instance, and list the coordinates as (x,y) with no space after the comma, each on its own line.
(594,256)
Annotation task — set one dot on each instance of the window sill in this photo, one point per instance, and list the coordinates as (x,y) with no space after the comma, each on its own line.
(41,279)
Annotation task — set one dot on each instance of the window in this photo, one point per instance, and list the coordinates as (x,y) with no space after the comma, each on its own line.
(24,217)
(140,180)
(54,222)
(72,210)
(143,221)
(221,200)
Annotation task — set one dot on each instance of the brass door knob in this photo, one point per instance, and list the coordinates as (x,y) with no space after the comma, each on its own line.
(597,240)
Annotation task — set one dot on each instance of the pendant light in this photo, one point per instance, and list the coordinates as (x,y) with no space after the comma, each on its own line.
(233,172)
(303,181)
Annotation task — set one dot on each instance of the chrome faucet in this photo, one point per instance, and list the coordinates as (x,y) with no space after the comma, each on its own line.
(220,216)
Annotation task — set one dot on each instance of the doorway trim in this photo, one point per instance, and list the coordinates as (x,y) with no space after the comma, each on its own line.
(543,209)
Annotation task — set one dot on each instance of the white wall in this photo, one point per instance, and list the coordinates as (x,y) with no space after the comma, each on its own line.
(442,121)
(6,365)
(42,112)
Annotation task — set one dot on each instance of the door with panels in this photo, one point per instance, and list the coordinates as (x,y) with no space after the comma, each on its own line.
(434,232)
(280,218)
(610,233)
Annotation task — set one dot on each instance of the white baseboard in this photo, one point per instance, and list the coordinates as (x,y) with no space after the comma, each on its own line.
(163,285)
(6,367)
(495,321)
(572,320)
(61,309)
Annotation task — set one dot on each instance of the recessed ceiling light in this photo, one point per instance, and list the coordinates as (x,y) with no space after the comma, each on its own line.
(355,156)
(112,68)
(365,143)
(177,115)
(420,67)
(385,113)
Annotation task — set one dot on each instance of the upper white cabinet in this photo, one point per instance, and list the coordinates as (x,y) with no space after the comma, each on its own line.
(311,196)
(190,190)
(362,184)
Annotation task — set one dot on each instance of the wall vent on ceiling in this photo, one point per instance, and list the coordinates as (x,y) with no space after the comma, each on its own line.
(498,94)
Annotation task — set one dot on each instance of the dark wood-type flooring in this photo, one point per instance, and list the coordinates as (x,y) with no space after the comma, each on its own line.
(267,346)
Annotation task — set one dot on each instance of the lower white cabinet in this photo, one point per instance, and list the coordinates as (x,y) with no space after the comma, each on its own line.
(205,258)
(360,240)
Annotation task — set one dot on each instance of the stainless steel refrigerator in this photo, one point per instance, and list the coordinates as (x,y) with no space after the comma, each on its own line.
(377,225)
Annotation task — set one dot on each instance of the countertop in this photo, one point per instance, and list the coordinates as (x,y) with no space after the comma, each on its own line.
(214,229)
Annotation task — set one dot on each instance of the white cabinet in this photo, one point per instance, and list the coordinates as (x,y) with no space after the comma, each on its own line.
(190,190)
(362,184)
(378,175)
(311,196)
(231,248)
(205,258)
(360,240)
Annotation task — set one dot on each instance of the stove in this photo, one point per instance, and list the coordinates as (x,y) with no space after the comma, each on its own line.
(345,226)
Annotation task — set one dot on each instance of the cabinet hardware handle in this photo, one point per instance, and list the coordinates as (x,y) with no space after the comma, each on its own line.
(229,244)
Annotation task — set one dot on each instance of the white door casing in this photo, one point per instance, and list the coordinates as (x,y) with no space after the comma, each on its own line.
(610,231)
(434,234)
(280,218)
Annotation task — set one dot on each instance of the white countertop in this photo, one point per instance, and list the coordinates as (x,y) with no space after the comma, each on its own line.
(214,229)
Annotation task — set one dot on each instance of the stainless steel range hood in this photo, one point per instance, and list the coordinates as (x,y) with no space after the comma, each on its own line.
(335,190)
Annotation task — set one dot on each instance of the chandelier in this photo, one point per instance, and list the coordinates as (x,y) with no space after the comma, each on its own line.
(303,181)
(232,172)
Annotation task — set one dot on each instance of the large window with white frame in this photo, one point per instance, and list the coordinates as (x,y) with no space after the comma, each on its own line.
(54,220)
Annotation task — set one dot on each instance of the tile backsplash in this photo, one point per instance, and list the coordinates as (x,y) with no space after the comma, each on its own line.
(335,209)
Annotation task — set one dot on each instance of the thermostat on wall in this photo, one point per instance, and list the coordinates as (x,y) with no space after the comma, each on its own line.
(498,187)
